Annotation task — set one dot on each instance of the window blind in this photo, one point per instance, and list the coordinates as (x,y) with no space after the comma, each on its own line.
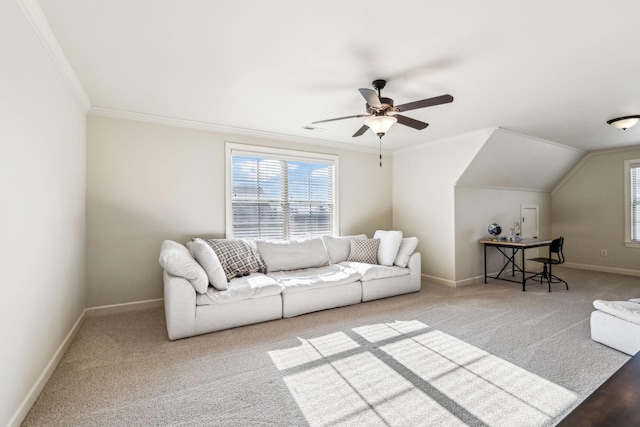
(635,201)
(276,197)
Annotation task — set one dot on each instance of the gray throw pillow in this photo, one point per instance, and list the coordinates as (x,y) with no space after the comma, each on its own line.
(364,250)
(238,257)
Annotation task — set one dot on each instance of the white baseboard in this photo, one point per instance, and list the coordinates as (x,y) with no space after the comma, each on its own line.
(440,281)
(24,408)
(603,269)
(480,279)
(469,281)
(125,307)
(460,283)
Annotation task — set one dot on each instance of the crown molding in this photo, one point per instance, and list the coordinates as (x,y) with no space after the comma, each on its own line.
(616,150)
(496,187)
(37,19)
(586,158)
(544,141)
(483,133)
(212,127)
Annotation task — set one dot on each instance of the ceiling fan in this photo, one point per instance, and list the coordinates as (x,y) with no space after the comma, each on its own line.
(382,114)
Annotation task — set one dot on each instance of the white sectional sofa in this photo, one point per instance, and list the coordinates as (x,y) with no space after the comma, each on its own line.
(217,284)
(617,324)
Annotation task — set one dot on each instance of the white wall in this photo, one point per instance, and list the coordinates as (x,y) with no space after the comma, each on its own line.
(42,182)
(587,209)
(476,208)
(149,182)
(510,170)
(423,198)
(447,193)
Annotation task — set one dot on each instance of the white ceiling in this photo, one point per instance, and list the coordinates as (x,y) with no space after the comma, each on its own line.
(556,70)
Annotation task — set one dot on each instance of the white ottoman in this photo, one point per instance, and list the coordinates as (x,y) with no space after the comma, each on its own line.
(617,324)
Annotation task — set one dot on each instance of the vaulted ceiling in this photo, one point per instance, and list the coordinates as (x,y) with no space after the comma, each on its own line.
(549,69)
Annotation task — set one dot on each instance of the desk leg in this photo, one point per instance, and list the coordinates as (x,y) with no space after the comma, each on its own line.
(524,270)
(485,264)
(513,262)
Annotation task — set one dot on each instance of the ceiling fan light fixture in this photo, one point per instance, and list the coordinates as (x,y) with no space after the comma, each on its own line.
(380,124)
(624,123)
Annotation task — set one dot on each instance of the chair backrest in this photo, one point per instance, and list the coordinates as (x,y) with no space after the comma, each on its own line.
(556,248)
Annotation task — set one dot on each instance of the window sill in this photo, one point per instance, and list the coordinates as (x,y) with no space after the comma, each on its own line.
(632,244)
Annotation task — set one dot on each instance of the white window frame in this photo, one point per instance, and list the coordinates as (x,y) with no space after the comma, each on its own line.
(628,242)
(232,148)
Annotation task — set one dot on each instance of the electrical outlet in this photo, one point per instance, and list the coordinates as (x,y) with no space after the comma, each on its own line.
(603,252)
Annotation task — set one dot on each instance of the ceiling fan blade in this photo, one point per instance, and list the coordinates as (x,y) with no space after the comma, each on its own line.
(361,131)
(412,123)
(429,102)
(340,118)
(371,97)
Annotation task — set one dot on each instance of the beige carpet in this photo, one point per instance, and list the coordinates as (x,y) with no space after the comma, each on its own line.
(484,355)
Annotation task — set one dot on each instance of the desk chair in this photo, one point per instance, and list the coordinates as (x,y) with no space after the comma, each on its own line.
(554,248)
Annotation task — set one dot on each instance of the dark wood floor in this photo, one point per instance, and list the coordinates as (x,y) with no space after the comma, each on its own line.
(615,403)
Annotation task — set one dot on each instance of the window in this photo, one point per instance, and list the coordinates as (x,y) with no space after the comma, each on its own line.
(632,203)
(280,194)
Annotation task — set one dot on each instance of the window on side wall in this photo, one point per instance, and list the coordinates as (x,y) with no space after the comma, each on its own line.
(632,203)
(280,194)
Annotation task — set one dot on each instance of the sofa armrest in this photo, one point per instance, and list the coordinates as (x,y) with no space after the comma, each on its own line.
(179,306)
(415,269)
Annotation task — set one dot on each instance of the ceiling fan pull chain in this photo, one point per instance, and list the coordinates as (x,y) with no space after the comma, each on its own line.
(380,151)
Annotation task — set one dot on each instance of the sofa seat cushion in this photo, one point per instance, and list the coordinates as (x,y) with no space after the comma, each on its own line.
(256,285)
(626,310)
(300,280)
(374,271)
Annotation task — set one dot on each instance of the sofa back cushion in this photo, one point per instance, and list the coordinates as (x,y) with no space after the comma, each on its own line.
(339,248)
(293,255)
(389,245)
(177,261)
(407,247)
(207,258)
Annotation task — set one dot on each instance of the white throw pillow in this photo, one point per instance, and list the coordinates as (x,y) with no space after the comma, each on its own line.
(339,248)
(626,310)
(293,255)
(407,247)
(207,258)
(177,260)
(389,245)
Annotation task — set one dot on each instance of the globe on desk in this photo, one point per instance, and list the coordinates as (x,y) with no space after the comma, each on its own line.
(495,230)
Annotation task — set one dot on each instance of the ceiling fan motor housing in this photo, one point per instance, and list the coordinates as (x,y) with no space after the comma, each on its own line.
(387,105)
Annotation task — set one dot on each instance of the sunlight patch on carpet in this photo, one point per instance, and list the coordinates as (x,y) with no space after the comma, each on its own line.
(313,349)
(406,373)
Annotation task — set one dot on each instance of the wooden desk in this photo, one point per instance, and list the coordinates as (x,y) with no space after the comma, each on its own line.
(614,403)
(515,247)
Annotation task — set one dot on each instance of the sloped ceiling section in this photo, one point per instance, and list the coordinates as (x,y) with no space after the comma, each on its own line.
(514,161)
